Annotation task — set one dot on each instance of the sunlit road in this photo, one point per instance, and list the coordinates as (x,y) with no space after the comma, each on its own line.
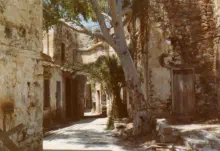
(87,134)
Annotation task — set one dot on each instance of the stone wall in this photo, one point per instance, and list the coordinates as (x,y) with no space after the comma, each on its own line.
(217,46)
(189,27)
(21,69)
(159,77)
(54,114)
(63,35)
(60,70)
(179,33)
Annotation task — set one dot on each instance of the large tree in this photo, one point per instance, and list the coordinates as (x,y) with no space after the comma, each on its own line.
(111,17)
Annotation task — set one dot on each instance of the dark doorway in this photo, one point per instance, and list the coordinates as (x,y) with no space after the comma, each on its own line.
(71,99)
(75,105)
(58,95)
(98,102)
(88,96)
(68,97)
(46,93)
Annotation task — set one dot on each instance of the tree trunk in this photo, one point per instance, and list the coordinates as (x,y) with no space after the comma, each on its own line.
(140,109)
(141,117)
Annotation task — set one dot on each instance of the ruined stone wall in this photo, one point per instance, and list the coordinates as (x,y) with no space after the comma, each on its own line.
(191,31)
(21,70)
(159,77)
(189,27)
(180,32)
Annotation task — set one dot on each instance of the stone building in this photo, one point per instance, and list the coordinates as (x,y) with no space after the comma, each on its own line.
(21,71)
(177,66)
(63,90)
(67,94)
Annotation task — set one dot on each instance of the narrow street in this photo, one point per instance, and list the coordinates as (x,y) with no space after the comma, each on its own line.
(87,134)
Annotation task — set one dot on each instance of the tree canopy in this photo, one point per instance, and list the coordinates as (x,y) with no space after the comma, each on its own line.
(74,11)
(106,70)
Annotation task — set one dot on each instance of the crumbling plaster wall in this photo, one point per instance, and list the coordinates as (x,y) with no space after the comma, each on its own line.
(159,78)
(21,70)
(183,34)
(180,33)
(51,114)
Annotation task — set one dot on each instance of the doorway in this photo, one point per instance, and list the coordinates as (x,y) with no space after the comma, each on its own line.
(68,97)
(183,92)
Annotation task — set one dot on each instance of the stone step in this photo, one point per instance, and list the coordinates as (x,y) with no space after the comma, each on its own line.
(207,149)
(194,142)
(197,143)
(212,139)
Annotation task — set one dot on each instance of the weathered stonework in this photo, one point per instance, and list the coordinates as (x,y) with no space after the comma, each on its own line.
(59,39)
(21,69)
(180,33)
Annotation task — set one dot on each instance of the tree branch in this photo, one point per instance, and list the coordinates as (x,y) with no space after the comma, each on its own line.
(99,44)
(116,12)
(84,31)
(107,16)
(102,24)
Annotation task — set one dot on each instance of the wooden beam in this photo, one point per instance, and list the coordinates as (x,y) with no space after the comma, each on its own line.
(7,142)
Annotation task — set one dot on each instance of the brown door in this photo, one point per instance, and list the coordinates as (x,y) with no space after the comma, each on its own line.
(75,105)
(46,93)
(68,97)
(183,101)
(58,96)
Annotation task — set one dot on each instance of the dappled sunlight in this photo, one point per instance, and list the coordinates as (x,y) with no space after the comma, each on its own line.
(88,134)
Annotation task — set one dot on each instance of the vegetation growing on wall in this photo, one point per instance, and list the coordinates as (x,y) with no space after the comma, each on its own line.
(190,28)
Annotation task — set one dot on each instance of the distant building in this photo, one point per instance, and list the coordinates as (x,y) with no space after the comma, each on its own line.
(67,94)
(63,91)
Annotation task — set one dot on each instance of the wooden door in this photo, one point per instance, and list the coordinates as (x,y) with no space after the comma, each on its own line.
(183,92)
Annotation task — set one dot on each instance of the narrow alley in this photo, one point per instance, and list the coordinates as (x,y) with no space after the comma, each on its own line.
(87,134)
(110,75)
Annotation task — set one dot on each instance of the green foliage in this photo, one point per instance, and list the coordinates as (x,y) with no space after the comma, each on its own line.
(105,70)
(70,10)
(109,73)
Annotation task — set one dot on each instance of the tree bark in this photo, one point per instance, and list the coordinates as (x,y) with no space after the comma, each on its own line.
(141,117)
(140,114)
